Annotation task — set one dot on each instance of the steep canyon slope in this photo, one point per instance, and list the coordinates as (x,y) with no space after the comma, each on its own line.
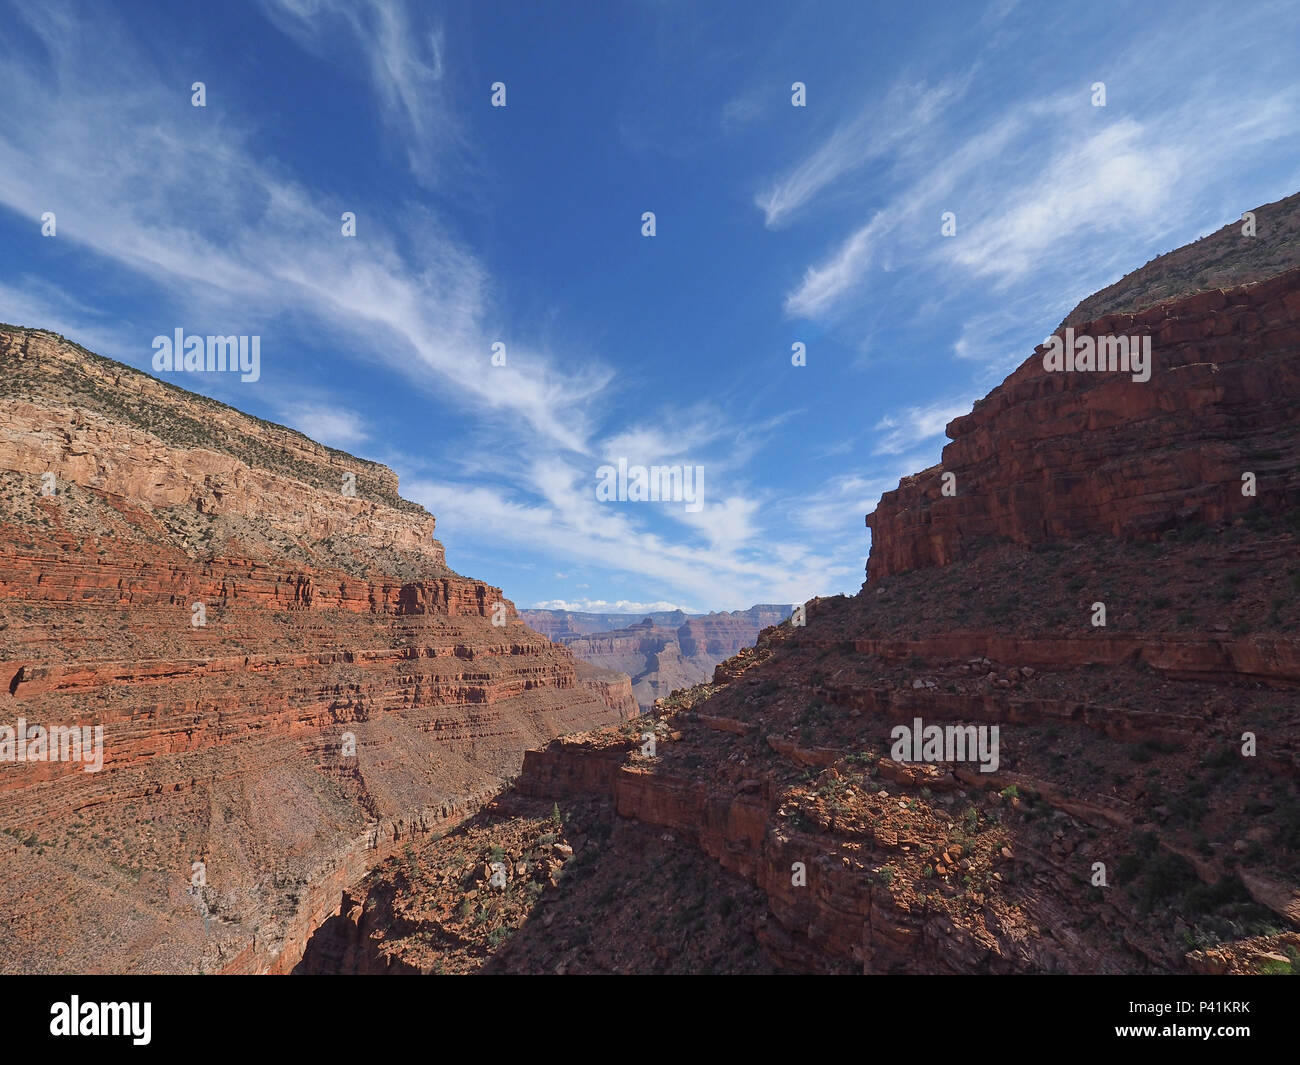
(290,680)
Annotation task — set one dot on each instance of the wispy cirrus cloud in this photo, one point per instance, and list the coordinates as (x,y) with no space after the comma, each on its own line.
(1049,191)
(405,58)
(327,423)
(907,429)
(569,523)
(907,225)
(1119,179)
(880,129)
(124,174)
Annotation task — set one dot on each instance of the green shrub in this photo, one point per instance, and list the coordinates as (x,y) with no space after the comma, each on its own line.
(1282,968)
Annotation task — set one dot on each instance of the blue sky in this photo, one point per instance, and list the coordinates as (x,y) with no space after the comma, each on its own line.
(775,225)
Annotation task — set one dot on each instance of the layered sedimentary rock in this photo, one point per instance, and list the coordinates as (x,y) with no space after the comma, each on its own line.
(1064,455)
(289,680)
(659,658)
(1111,791)
(613,687)
(559,625)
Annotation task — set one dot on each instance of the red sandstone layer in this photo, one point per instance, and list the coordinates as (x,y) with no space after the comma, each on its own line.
(1064,455)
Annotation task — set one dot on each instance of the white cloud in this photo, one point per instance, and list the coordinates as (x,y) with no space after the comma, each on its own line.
(1119,179)
(915,425)
(1052,194)
(40,306)
(835,510)
(727,524)
(680,433)
(123,168)
(334,426)
(1000,339)
(568,523)
(742,109)
(909,223)
(404,57)
(882,127)
(826,285)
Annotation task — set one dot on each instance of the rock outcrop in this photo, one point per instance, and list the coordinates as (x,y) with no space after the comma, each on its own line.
(1057,456)
(1261,244)
(289,680)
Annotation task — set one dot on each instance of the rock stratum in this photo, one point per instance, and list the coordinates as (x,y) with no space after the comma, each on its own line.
(559,625)
(659,653)
(1143,815)
(1049,457)
(290,681)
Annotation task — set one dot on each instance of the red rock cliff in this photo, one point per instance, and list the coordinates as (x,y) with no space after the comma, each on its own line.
(345,693)
(1054,456)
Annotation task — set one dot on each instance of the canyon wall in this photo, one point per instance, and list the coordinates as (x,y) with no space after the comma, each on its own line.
(290,681)
(1053,456)
(660,653)
(559,625)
